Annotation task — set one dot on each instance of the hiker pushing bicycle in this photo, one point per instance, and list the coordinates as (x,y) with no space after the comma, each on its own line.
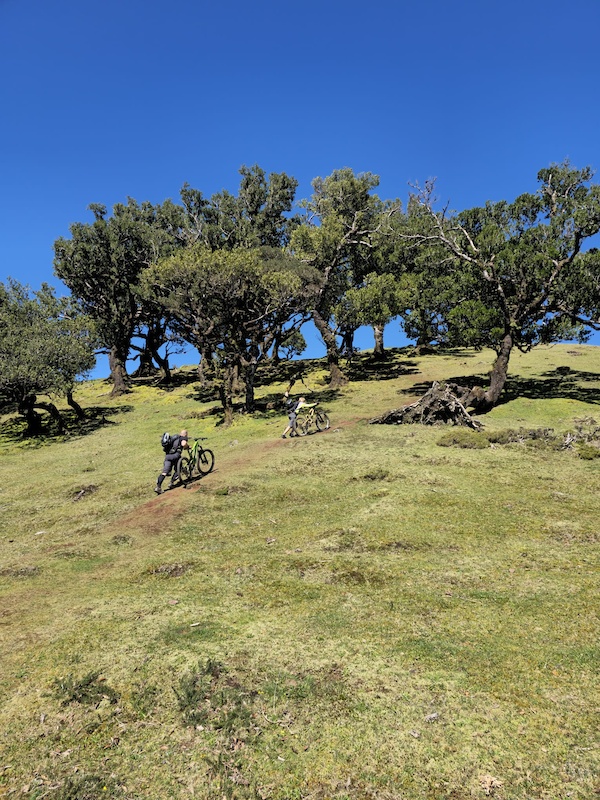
(293,407)
(173,447)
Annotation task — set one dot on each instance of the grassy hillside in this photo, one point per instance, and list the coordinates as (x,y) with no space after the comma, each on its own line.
(360,613)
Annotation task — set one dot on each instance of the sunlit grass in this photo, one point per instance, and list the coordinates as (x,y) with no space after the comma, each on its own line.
(393,619)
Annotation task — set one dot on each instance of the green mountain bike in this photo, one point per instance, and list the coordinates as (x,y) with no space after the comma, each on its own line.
(197,461)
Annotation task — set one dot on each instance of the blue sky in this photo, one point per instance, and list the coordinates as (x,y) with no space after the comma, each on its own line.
(101,101)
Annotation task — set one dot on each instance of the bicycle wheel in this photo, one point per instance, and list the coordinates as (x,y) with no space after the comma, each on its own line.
(302,426)
(185,468)
(205,462)
(322,421)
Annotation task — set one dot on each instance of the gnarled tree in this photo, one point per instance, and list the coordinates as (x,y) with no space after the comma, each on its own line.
(45,344)
(338,237)
(519,271)
(230,305)
(101,264)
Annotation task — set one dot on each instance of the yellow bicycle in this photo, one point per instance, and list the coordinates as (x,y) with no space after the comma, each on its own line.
(309,417)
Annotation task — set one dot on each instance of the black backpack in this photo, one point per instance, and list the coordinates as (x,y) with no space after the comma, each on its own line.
(166,441)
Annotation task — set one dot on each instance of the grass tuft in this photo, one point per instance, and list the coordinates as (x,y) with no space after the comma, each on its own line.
(91,689)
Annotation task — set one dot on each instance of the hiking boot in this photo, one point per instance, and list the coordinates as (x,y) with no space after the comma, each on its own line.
(158,490)
(283,436)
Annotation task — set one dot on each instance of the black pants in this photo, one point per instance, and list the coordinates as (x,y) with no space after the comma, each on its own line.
(170,463)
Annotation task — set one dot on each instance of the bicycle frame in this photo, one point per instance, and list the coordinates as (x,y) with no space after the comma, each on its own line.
(198,460)
(312,416)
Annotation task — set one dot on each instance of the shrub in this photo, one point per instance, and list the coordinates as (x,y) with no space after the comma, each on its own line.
(588,451)
(463,438)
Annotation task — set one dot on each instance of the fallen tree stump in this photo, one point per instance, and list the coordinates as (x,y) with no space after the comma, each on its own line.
(443,403)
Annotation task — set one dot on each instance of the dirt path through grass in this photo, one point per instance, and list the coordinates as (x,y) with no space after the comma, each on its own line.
(154,516)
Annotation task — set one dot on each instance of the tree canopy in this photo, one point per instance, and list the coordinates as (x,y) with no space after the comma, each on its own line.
(519,275)
(343,220)
(101,264)
(45,344)
(231,305)
(236,275)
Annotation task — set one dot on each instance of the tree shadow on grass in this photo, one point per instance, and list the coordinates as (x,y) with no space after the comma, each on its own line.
(561,383)
(289,373)
(180,376)
(13,430)
(394,364)
(274,401)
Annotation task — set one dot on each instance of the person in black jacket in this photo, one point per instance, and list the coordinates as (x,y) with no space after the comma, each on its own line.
(293,406)
(178,445)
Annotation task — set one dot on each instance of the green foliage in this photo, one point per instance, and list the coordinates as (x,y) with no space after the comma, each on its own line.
(292,343)
(45,344)
(510,435)
(230,304)
(376,301)
(588,451)
(520,278)
(213,697)
(102,263)
(256,217)
(344,223)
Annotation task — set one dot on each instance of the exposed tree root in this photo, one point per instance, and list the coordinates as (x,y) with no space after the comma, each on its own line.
(443,403)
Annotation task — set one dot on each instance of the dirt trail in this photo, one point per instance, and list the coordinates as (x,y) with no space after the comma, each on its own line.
(154,516)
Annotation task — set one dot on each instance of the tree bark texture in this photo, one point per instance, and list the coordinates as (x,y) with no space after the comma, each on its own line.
(499,372)
(337,377)
(118,371)
(379,349)
(80,413)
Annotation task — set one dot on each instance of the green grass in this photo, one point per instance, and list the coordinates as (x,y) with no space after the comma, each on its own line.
(360,613)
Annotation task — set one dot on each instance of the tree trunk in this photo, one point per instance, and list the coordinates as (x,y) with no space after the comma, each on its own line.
(441,404)
(378,350)
(226,395)
(163,365)
(33,419)
(155,337)
(482,400)
(448,402)
(206,371)
(118,371)
(337,377)
(146,367)
(54,414)
(75,406)
(249,381)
